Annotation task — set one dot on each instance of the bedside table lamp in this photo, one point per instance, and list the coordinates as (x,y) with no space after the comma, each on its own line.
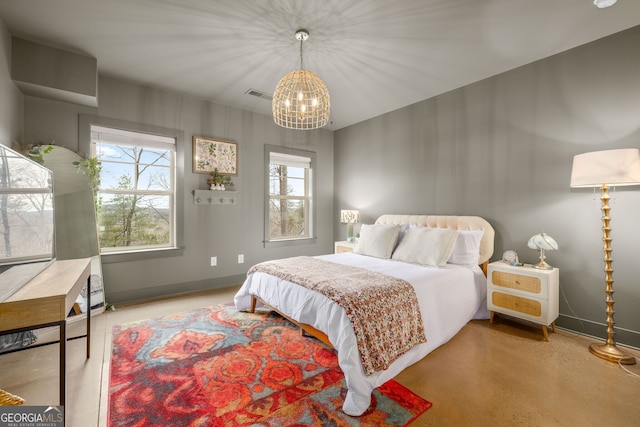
(542,242)
(603,169)
(349,217)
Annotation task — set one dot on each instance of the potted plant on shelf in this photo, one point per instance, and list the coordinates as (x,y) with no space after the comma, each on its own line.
(217,181)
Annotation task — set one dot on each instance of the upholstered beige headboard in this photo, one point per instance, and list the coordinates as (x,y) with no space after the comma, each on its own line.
(452,222)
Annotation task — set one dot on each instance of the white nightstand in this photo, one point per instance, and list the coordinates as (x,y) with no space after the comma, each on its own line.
(344,246)
(524,292)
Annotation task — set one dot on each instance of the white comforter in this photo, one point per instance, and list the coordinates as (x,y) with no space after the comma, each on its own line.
(448,298)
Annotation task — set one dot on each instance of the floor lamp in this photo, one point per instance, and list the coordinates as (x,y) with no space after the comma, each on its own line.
(603,169)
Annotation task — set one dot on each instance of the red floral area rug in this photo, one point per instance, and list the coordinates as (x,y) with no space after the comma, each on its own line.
(220,367)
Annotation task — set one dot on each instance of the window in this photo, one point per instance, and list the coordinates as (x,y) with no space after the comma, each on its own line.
(289,211)
(136,195)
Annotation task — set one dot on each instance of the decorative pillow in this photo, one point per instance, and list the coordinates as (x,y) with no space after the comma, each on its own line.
(426,246)
(377,240)
(403,229)
(467,247)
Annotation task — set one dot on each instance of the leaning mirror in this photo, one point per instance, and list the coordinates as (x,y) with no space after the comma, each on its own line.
(75,219)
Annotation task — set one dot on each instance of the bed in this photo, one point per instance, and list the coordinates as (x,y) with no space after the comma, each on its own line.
(448,295)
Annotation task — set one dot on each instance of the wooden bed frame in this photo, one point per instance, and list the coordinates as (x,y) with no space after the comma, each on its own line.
(303,326)
(433,221)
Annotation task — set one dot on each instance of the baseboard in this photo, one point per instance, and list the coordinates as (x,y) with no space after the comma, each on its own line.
(137,295)
(598,331)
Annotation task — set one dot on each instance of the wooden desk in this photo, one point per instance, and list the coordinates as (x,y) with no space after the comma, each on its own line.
(46,301)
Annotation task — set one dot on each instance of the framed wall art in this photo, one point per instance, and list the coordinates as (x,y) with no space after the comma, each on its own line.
(210,154)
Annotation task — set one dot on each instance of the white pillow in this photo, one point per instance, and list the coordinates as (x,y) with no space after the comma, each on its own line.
(377,240)
(403,229)
(426,246)
(467,247)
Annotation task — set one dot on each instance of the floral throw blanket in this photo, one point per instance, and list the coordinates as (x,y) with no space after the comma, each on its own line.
(383,310)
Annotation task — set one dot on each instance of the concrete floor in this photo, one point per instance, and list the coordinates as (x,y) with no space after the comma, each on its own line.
(502,374)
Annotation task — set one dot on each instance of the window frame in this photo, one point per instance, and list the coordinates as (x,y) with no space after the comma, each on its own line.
(310,209)
(84,138)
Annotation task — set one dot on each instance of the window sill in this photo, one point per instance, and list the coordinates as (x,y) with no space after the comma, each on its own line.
(290,242)
(114,257)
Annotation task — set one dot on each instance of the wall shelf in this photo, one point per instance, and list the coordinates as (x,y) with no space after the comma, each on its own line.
(214,197)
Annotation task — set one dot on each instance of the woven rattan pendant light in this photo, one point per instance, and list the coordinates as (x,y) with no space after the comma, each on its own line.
(301,99)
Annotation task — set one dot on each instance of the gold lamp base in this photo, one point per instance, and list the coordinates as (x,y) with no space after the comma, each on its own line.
(542,265)
(612,353)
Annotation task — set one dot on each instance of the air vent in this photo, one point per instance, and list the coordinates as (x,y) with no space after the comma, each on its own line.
(259,94)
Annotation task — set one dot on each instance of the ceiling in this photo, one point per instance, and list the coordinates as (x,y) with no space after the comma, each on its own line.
(374,55)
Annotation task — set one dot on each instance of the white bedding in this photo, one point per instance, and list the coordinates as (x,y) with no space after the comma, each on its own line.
(449,297)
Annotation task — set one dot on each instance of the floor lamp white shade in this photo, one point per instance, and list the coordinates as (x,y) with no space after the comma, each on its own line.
(611,167)
(603,169)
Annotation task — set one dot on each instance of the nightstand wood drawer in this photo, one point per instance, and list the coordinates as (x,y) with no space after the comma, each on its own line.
(340,247)
(516,281)
(518,304)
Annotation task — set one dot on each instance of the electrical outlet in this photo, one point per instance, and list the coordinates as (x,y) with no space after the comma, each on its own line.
(214,261)
(240,259)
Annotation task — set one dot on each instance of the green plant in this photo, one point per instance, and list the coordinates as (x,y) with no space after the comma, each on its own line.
(220,179)
(33,150)
(90,167)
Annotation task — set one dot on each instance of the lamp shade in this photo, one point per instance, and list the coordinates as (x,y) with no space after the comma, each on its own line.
(542,241)
(349,216)
(601,4)
(610,167)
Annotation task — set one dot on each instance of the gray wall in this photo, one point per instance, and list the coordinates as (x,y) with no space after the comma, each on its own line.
(502,149)
(10,96)
(222,231)
(75,79)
